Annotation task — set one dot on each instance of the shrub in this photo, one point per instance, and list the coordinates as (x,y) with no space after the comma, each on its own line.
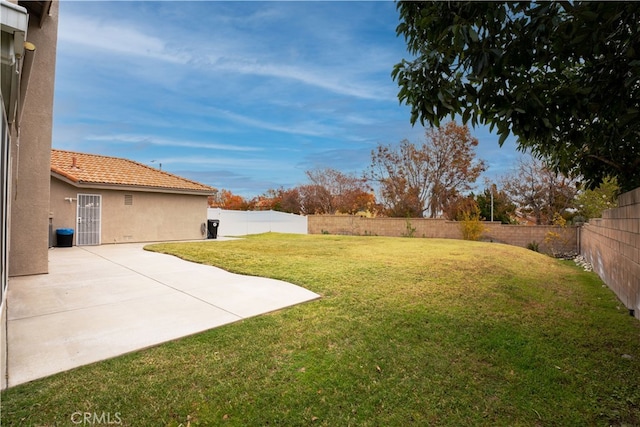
(557,240)
(533,246)
(470,225)
(411,231)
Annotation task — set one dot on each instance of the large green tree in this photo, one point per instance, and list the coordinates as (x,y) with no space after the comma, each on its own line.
(563,77)
(497,201)
(592,203)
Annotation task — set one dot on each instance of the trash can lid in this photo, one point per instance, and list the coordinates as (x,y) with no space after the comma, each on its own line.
(64,231)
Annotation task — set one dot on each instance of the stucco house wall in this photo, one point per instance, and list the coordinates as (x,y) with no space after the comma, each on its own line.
(24,155)
(151,216)
(31,153)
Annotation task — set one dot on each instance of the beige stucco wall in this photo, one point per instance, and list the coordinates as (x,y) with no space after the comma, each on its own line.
(31,156)
(3,349)
(151,217)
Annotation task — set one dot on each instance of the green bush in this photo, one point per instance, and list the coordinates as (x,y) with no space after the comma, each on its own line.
(471,226)
(411,231)
(533,246)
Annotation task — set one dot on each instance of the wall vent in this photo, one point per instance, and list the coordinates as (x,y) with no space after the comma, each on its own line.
(128,199)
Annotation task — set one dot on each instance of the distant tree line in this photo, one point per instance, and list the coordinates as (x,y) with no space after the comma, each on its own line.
(435,179)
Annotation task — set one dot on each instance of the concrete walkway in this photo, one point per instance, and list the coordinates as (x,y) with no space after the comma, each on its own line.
(98,302)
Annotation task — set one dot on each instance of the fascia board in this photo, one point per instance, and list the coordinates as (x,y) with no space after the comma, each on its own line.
(137,188)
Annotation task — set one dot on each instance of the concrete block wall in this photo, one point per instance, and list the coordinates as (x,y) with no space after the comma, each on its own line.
(550,239)
(515,235)
(612,245)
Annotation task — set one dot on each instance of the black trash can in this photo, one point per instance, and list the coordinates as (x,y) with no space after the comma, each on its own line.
(212,228)
(64,237)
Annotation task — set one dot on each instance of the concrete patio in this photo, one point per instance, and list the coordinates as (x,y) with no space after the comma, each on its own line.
(99,302)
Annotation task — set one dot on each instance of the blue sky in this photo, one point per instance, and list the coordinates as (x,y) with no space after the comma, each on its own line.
(244,96)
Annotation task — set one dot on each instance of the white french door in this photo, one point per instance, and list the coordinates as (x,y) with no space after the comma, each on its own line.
(89,212)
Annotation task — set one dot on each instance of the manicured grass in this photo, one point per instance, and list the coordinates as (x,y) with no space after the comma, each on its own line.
(408,332)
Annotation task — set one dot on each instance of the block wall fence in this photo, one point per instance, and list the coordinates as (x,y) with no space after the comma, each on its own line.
(612,245)
(516,235)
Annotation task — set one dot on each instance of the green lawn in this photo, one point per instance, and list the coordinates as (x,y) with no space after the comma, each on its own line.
(408,332)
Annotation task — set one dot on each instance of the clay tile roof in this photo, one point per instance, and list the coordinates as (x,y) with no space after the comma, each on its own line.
(82,168)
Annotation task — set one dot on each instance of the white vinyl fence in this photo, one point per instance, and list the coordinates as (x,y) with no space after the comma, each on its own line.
(241,223)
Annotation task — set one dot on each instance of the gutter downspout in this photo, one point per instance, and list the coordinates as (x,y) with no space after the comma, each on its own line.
(27,65)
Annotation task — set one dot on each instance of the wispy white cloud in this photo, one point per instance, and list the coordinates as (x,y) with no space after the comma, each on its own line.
(308,128)
(244,164)
(228,53)
(154,140)
(117,38)
(359,119)
(331,79)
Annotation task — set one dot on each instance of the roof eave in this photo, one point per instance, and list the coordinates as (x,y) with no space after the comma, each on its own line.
(123,187)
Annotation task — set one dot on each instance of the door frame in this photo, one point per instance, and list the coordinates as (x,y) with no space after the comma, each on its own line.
(97,240)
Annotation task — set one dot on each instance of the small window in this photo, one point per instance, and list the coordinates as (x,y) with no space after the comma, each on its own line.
(128,199)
